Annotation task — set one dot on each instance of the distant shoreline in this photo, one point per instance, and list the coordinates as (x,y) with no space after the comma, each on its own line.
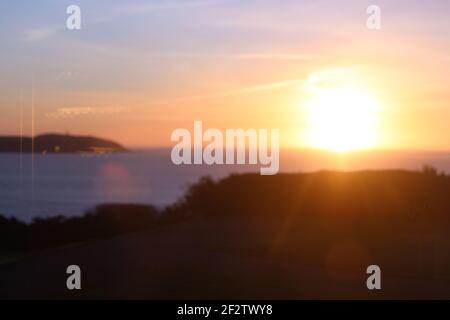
(58,143)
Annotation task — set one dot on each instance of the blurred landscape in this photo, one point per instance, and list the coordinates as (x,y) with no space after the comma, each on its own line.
(247,236)
(97,97)
(70,184)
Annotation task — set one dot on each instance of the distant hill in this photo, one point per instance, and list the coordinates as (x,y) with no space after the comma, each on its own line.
(58,143)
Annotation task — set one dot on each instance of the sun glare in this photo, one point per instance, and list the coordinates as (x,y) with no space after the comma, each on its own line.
(342,117)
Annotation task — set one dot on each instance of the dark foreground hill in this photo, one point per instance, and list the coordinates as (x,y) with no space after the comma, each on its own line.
(57,143)
(251,236)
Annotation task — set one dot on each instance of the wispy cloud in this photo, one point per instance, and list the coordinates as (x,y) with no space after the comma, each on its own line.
(127,9)
(260,87)
(38,34)
(235,92)
(85,111)
(168,5)
(233,56)
(136,54)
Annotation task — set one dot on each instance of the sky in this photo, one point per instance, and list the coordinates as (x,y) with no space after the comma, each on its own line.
(137,70)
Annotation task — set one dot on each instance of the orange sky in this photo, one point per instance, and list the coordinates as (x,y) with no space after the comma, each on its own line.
(228,64)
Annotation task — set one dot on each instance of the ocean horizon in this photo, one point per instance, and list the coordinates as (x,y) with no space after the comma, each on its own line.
(71,184)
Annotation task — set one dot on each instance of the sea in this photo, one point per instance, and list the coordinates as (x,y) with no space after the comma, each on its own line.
(71,184)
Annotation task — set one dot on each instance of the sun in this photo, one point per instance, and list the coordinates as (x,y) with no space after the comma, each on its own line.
(341,115)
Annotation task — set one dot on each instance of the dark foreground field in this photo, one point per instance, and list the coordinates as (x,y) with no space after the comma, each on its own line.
(248,236)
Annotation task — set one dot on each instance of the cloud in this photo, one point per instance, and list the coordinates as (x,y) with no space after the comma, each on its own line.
(168,5)
(38,34)
(128,53)
(232,56)
(261,87)
(143,8)
(238,91)
(271,56)
(344,75)
(85,111)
